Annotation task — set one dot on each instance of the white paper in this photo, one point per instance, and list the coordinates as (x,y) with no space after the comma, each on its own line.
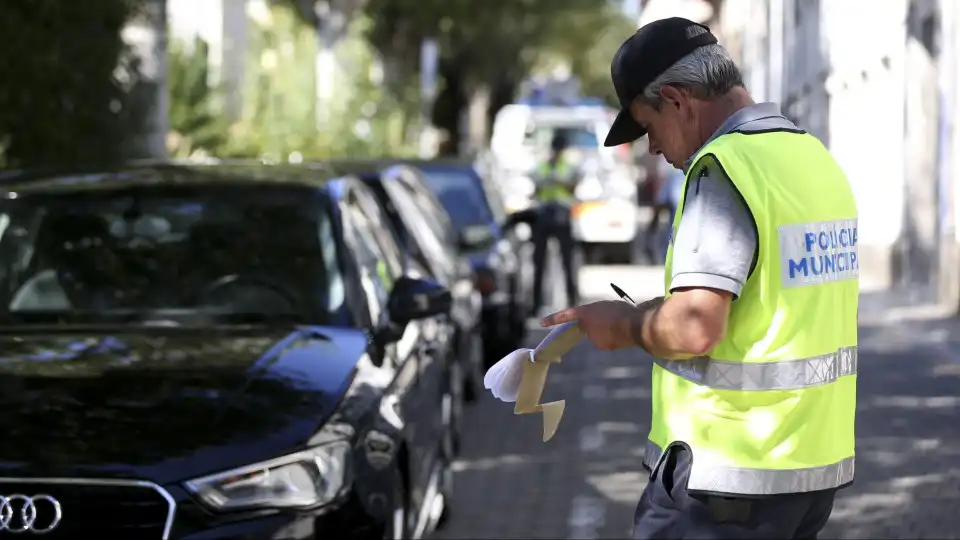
(503,378)
(520,377)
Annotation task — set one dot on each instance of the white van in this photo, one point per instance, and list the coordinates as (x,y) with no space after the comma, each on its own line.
(605,218)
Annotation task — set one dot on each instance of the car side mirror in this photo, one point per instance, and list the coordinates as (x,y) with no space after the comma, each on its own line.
(417,298)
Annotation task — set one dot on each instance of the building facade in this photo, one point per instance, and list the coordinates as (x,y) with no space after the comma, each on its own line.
(875,81)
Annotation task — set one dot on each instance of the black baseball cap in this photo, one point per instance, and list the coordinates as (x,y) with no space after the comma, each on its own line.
(642,58)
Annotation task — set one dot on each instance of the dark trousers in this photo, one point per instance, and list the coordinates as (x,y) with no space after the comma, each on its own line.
(668,510)
(553,223)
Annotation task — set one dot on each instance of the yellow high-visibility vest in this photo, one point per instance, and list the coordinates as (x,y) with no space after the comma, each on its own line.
(553,184)
(771,409)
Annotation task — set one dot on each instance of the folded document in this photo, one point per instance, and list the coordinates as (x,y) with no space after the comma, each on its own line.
(520,376)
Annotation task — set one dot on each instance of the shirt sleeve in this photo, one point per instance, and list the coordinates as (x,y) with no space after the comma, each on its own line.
(715,245)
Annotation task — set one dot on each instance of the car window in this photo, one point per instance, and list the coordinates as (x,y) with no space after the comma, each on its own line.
(420,232)
(462,195)
(383,231)
(390,211)
(436,216)
(376,276)
(540,137)
(222,250)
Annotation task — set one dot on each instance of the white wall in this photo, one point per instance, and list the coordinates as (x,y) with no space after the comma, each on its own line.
(885,106)
(806,55)
(865,84)
(949,73)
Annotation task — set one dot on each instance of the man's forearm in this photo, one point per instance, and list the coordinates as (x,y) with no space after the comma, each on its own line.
(659,331)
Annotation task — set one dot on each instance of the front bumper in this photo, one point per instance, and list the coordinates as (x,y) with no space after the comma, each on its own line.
(345,520)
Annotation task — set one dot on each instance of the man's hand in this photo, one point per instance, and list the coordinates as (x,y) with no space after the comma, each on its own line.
(688,324)
(607,324)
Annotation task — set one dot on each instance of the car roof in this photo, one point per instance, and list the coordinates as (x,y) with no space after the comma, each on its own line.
(164,173)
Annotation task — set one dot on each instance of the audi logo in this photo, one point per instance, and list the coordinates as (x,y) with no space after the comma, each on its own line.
(37,514)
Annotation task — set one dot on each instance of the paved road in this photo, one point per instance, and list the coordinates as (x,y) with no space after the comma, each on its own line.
(585,482)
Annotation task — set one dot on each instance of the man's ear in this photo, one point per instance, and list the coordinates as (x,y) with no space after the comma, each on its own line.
(671,95)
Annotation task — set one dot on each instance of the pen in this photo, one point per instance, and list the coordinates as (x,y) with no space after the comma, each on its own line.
(622,294)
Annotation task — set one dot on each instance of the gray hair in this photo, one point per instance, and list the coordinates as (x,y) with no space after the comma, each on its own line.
(708,72)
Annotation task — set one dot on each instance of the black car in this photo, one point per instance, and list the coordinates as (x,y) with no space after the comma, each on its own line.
(429,236)
(217,352)
(498,256)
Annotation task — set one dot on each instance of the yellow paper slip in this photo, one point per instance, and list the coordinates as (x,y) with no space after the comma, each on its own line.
(550,351)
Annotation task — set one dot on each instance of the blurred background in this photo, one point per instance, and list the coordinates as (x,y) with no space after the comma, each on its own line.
(305,80)
(488,81)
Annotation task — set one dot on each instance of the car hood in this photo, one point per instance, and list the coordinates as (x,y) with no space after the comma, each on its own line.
(166,405)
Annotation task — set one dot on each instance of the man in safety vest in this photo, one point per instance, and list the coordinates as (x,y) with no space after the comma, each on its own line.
(555,181)
(755,338)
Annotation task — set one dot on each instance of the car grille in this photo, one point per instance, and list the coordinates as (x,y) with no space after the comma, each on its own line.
(95,508)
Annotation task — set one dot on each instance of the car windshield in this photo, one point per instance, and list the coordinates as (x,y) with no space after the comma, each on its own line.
(576,137)
(211,253)
(461,194)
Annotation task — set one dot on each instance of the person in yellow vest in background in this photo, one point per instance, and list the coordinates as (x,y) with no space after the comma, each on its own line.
(555,181)
(755,339)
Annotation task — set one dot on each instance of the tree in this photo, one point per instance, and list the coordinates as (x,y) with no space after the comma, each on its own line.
(485,44)
(197,126)
(280,118)
(588,40)
(65,86)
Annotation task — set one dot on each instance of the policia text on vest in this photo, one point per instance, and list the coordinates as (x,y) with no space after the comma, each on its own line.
(812,253)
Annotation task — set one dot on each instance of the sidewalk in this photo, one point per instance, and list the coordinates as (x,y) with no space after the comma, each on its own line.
(586,481)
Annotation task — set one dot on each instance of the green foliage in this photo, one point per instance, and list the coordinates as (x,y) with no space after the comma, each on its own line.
(62,97)
(492,44)
(197,125)
(489,38)
(278,109)
(280,117)
(588,40)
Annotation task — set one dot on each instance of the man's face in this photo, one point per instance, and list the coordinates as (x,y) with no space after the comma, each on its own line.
(671,131)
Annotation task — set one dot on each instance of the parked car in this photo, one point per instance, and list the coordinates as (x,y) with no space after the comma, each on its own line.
(429,237)
(217,352)
(501,261)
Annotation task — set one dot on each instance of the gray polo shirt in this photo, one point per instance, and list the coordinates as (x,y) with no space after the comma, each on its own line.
(715,244)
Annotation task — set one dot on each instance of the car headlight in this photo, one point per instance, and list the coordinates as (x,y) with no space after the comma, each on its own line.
(310,478)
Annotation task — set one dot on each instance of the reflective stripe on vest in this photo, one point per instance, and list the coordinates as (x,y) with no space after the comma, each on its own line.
(780,375)
(771,409)
(719,478)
